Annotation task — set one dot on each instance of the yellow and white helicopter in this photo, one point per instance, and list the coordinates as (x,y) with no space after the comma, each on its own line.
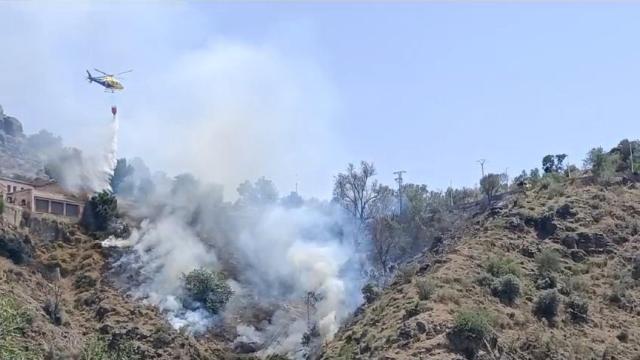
(108,81)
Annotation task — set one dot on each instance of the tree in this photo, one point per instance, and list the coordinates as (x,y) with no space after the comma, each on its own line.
(626,149)
(548,163)
(99,211)
(355,190)
(293,200)
(208,288)
(261,192)
(602,165)
(553,163)
(534,175)
(490,184)
(385,236)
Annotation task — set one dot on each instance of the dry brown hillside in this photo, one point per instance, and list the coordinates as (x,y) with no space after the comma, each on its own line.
(55,266)
(550,275)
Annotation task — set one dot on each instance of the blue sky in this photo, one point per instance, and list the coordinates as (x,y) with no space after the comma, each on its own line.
(424,87)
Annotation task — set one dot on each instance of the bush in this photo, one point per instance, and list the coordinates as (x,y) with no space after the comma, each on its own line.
(545,281)
(426,289)
(208,288)
(1,206)
(14,321)
(506,288)
(577,309)
(97,348)
(471,329)
(405,273)
(547,304)
(502,266)
(370,293)
(548,261)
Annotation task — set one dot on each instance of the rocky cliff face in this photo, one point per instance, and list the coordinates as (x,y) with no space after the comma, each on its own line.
(15,159)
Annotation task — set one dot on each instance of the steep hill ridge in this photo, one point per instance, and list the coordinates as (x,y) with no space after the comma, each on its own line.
(579,241)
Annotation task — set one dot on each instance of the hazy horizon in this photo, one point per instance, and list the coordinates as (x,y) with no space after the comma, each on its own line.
(294,92)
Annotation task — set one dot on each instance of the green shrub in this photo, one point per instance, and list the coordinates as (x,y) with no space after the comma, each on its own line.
(406,273)
(370,293)
(99,211)
(546,280)
(94,349)
(577,309)
(547,304)
(548,261)
(426,289)
(208,288)
(484,280)
(501,266)
(97,348)
(471,330)
(506,288)
(14,321)
(1,205)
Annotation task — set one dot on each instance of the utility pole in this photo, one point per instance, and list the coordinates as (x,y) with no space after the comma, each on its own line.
(451,192)
(399,181)
(482,161)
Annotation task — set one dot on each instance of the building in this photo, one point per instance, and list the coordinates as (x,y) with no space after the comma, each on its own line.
(41,197)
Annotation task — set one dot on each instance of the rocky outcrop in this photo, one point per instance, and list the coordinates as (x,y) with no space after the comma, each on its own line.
(15,246)
(15,159)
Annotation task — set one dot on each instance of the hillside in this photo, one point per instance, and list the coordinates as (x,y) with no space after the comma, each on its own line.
(56,302)
(577,243)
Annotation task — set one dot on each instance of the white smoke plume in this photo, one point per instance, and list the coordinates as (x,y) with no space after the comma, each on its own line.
(275,257)
(87,170)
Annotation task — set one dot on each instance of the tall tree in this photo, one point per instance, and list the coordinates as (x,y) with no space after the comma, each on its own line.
(356,190)
(490,184)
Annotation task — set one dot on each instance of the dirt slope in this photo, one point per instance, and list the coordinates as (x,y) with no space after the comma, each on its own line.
(95,318)
(594,232)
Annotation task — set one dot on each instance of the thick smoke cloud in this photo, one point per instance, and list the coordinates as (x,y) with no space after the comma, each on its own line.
(74,169)
(275,256)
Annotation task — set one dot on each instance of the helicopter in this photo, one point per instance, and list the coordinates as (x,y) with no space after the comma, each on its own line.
(108,81)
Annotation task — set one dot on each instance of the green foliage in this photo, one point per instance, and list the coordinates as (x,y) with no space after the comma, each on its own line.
(548,261)
(501,266)
(97,348)
(208,288)
(603,165)
(507,288)
(426,289)
(370,293)
(553,163)
(100,210)
(547,304)
(490,184)
(1,205)
(577,308)
(472,329)
(473,322)
(14,321)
